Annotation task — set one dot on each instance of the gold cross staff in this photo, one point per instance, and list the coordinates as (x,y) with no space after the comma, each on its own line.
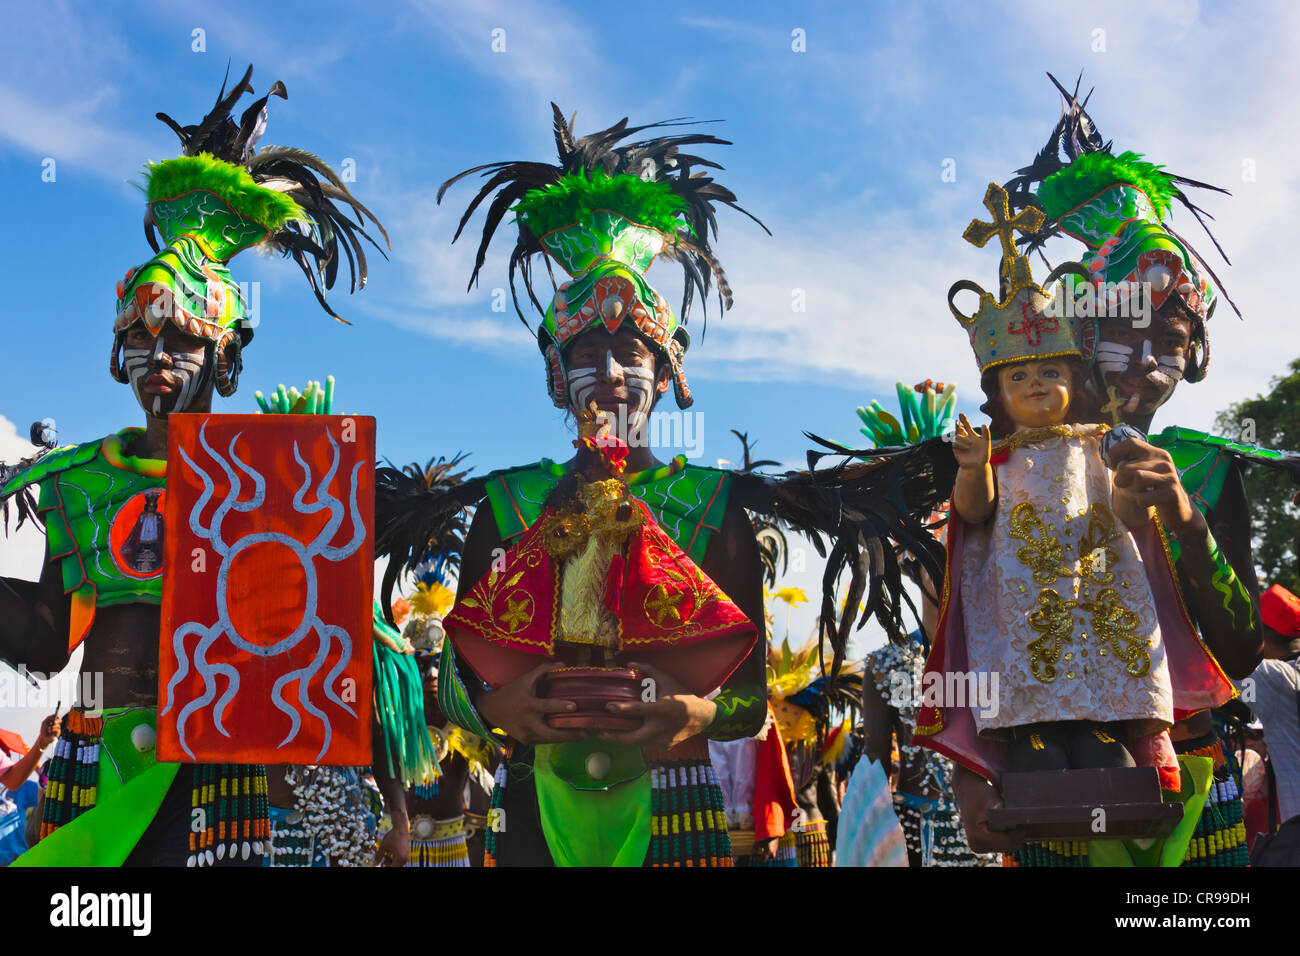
(1004,226)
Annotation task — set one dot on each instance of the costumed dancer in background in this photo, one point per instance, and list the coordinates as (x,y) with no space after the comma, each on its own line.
(923,797)
(439,809)
(803,708)
(757,789)
(758,797)
(181,327)
(1276,702)
(611,341)
(1059,580)
(1152,335)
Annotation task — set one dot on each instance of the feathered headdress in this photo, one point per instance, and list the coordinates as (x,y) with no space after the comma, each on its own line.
(221,196)
(604,213)
(1117,205)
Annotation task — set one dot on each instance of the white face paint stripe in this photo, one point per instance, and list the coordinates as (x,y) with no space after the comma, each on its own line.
(640,385)
(1112,357)
(582,382)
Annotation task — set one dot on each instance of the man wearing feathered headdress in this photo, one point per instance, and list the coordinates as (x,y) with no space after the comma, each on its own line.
(681,592)
(1143,318)
(181,326)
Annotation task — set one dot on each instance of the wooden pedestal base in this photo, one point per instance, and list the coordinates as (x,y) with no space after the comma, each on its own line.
(1064,805)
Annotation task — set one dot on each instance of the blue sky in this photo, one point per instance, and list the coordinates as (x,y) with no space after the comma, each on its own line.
(840,149)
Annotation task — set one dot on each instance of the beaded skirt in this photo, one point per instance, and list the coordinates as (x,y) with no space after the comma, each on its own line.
(228,800)
(438,843)
(812,846)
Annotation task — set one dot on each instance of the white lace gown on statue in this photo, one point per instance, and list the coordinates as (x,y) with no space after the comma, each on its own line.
(1055,598)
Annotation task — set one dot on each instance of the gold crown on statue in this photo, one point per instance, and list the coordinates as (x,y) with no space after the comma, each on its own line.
(1028,323)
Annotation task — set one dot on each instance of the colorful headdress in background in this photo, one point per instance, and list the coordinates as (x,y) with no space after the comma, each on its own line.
(1118,207)
(221,196)
(1025,322)
(604,214)
(926,409)
(804,708)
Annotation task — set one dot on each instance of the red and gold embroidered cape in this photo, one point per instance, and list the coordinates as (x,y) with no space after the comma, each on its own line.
(671,614)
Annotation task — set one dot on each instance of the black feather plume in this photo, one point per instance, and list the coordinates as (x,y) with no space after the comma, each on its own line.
(421,513)
(302,176)
(659,158)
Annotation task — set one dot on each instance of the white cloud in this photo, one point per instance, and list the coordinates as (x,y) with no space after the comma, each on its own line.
(542,52)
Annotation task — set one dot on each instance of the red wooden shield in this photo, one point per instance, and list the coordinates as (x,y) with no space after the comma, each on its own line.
(265,644)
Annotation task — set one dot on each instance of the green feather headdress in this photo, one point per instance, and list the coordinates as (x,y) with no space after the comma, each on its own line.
(1075,184)
(1076,166)
(576,196)
(231,184)
(605,213)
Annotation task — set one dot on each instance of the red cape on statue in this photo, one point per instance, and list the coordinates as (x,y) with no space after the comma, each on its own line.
(671,615)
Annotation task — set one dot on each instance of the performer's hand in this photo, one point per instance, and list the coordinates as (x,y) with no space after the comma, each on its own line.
(766,849)
(1145,477)
(673,715)
(975,798)
(516,709)
(972,447)
(395,847)
(50,727)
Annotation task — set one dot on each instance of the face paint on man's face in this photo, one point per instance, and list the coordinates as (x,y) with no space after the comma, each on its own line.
(1128,362)
(164,379)
(638,382)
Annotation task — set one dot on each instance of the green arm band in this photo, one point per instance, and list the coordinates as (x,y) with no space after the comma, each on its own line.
(741,712)
(1235,598)
(454,700)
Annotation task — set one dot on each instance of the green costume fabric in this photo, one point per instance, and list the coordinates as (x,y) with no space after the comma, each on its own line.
(616,831)
(82,489)
(1197,773)
(1204,460)
(132,786)
(399,707)
(454,698)
(1204,463)
(738,707)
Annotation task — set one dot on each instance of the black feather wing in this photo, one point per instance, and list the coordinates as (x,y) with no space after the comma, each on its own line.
(851,512)
(421,513)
